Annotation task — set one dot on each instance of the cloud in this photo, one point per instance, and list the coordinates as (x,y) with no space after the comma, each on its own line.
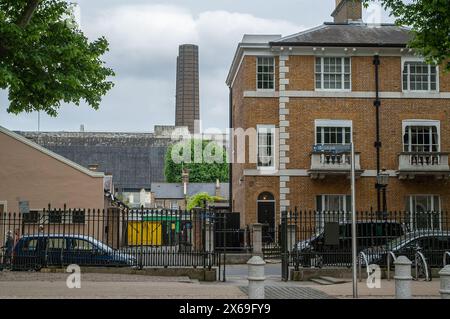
(144,42)
(145,38)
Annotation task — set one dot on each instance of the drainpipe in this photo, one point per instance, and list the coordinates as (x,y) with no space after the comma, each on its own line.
(377,104)
(230,151)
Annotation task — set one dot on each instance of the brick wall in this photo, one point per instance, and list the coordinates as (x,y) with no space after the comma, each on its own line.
(250,111)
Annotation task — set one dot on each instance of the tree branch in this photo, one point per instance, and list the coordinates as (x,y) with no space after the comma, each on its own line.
(27,13)
(23,21)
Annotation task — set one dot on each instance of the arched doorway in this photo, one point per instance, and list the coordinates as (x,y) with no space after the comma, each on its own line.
(266,216)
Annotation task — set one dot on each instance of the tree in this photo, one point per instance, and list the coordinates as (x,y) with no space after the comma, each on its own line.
(45,59)
(199,200)
(430,25)
(205,160)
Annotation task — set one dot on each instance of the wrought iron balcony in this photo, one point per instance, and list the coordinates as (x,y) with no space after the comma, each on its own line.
(329,163)
(412,164)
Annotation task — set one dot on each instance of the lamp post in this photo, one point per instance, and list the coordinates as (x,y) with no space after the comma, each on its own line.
(382,183)
(354,247)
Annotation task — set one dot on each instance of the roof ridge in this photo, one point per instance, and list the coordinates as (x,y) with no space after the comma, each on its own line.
(302,32)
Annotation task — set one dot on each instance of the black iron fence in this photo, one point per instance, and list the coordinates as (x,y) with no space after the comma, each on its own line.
(233,240)
(324,239)
(112,237)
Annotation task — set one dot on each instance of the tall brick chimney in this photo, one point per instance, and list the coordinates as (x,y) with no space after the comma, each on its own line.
(347,11)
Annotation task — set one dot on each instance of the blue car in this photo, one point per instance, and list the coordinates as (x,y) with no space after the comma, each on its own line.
(43,250)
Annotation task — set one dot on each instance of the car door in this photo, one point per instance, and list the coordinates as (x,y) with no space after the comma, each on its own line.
(25,253)
(31,253)
(82,252)
(55,251)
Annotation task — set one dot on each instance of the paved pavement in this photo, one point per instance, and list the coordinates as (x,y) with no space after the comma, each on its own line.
(419,289)
(290,292)
(53,285)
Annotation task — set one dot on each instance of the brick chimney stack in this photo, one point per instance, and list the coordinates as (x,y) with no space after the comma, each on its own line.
(347,11)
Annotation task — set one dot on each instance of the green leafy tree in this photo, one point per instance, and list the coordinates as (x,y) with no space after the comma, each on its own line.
(45,59)
(429,21)
(205,160)
(199,200)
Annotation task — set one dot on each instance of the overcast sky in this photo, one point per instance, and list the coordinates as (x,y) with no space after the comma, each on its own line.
(144,36)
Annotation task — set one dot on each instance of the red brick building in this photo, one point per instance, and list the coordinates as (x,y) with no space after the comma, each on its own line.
(307,95)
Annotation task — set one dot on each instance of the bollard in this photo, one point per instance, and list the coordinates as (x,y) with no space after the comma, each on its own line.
(257,238)
(256,278)
(402,278)
(444,274)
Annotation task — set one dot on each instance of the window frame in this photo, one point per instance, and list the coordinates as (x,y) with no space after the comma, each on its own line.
(78,217)
(4,203)
(71,248)
(273,146)
(322,89)
(413,212)
(33,212)
(333,123)
(408,89)
(321,214)
(274,73)
(424,123)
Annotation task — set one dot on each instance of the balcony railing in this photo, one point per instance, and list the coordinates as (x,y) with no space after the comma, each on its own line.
(331,163)
(423,163)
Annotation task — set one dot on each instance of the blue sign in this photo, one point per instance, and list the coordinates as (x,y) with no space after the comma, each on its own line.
(334,148)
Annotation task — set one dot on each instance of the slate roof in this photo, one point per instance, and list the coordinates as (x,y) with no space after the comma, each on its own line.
(349,34)
(134,159)
(175,190)
(48,152)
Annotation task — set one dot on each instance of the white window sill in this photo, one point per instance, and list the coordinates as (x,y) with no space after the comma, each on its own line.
(420,91)
(265,90)
(267,170)
(333,90)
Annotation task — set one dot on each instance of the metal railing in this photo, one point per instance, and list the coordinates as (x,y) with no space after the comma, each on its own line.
(363,257)
(446,254)
(326,236)
(110,237)
(390,258)
(421,266)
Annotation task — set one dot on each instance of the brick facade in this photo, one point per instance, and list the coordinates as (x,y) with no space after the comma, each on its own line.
(293,108)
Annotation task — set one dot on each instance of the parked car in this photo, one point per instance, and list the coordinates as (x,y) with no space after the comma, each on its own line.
(431,243)
(37,251)
(331,247)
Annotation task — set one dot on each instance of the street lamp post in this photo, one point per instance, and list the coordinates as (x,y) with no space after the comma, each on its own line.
(382,183)
(354,247)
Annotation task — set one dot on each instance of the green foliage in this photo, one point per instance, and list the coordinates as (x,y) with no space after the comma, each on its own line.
(429,21)
(45,59)
(199,200)
(203,168)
